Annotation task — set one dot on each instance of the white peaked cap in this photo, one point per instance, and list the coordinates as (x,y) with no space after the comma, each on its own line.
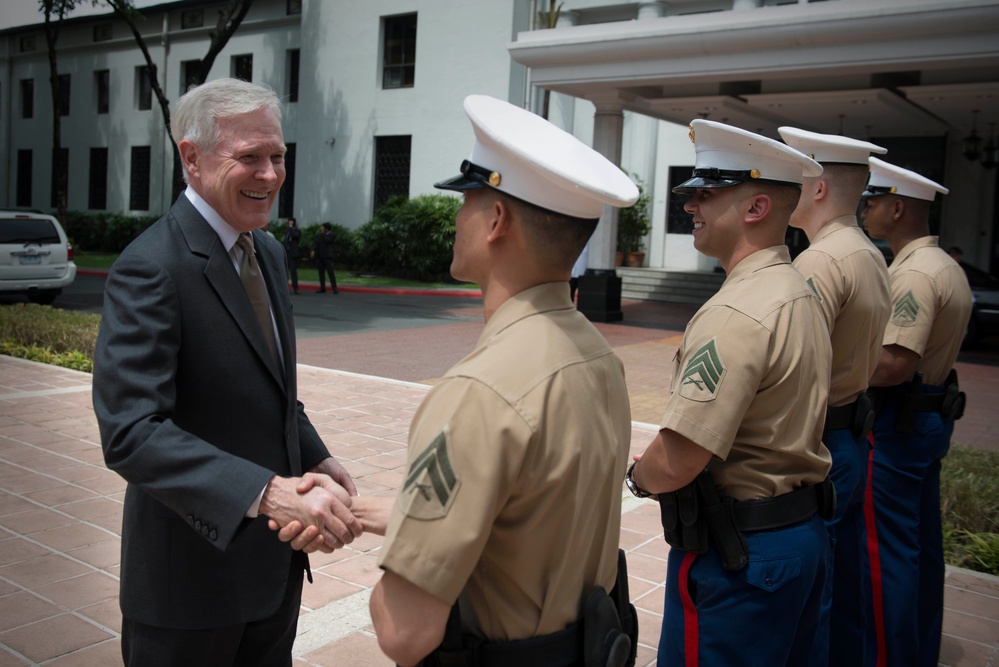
(889,179)
(829,148)
(728,155)
(525,156)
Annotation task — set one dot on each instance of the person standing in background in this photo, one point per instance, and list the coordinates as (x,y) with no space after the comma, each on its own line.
(293,251)
(324,258)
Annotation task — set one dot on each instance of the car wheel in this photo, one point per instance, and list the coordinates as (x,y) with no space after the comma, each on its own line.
(44,298)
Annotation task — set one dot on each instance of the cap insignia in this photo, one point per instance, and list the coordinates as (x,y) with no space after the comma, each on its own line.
(494,179)
(691,133)
(755,173)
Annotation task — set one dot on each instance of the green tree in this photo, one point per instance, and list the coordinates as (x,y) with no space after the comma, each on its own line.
(55,11)
(230,16)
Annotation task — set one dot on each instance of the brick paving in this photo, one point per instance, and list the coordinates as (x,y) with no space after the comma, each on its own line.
(60,508)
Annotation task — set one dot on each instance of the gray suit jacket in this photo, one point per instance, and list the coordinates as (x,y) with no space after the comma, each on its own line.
(196,415)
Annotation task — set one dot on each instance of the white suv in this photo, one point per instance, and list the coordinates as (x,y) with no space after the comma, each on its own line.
(35,256)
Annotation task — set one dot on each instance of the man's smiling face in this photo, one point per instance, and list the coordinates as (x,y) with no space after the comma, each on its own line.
(241,176)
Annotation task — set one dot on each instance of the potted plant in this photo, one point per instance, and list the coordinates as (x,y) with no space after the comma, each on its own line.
(633,224)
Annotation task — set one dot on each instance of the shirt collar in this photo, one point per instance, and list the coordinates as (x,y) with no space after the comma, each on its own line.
(538,299)
(227,234)
(913,246)
(761,259)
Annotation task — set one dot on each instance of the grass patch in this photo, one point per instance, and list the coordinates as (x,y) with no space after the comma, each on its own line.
(969,505)
(49,335)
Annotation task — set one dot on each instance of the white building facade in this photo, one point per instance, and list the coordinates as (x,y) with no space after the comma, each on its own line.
(374,96)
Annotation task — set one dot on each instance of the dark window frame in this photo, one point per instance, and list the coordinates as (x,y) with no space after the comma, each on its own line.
(25,166)
(97,187)
(286,198)
(399,51)
(139,185)
(242,67)
(65,82)
(60,157)
(143,88)
(393,164)
(27,98)
(102,90)
(294,61)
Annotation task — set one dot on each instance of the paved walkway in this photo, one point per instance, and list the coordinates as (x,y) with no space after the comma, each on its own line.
(60,508)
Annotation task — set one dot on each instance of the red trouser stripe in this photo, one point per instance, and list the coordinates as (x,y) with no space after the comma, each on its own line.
(874,558)
(690,630)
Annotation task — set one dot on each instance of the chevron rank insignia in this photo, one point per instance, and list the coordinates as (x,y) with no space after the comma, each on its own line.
(811,283)
(906,311)
(431,483)
(703,374)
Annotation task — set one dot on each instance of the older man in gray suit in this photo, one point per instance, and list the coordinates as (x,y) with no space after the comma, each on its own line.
(195,394)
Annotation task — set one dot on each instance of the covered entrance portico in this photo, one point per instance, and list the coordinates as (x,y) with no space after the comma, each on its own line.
(920,77)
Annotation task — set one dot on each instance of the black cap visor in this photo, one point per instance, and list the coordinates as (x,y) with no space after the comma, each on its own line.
(876,191)
(472,176)
(723,178)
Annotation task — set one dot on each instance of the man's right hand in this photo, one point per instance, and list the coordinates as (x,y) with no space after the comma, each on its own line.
(323,511)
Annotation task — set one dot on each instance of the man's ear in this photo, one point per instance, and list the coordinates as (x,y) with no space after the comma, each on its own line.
(499,220)
(189,154)
(757,208)
(821,190)
(897,209)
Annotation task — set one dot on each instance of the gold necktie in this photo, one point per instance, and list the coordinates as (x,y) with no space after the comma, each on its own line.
(253,283)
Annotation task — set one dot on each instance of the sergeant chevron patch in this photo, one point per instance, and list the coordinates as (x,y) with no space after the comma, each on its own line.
(704,374)
(431,483)
(811,283)
(906,311)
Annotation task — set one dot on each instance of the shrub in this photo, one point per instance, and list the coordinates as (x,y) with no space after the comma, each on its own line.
(49,335)
(104,232)
(410,238)
(634,222)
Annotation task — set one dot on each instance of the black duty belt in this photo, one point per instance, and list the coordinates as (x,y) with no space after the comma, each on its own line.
(784,510)
(857,416)
(919,402)
(841,416)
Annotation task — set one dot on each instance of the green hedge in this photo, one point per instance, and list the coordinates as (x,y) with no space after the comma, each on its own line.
(409,238)
(406,238)
(104,232)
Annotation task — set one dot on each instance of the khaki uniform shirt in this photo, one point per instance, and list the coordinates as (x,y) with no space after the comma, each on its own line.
(751,380)
(850,277)
(931,306)
(512,495)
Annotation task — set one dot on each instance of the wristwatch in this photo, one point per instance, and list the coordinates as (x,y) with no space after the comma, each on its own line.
(629,480)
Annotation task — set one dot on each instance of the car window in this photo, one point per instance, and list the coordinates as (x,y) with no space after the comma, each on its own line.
(979,278)
(28,230)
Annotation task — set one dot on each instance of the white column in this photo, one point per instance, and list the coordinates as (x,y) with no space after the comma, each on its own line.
(608,126)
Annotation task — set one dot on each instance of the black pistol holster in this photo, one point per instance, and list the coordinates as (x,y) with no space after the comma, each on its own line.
(723,520)
(605,636)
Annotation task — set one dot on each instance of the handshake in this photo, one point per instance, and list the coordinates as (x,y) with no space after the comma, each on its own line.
(321,511)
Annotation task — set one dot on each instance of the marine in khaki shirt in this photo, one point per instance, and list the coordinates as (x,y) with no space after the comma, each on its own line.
(738,391)
(748,550)
(511,502)
(513,489)
(931,306)
(849,275)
